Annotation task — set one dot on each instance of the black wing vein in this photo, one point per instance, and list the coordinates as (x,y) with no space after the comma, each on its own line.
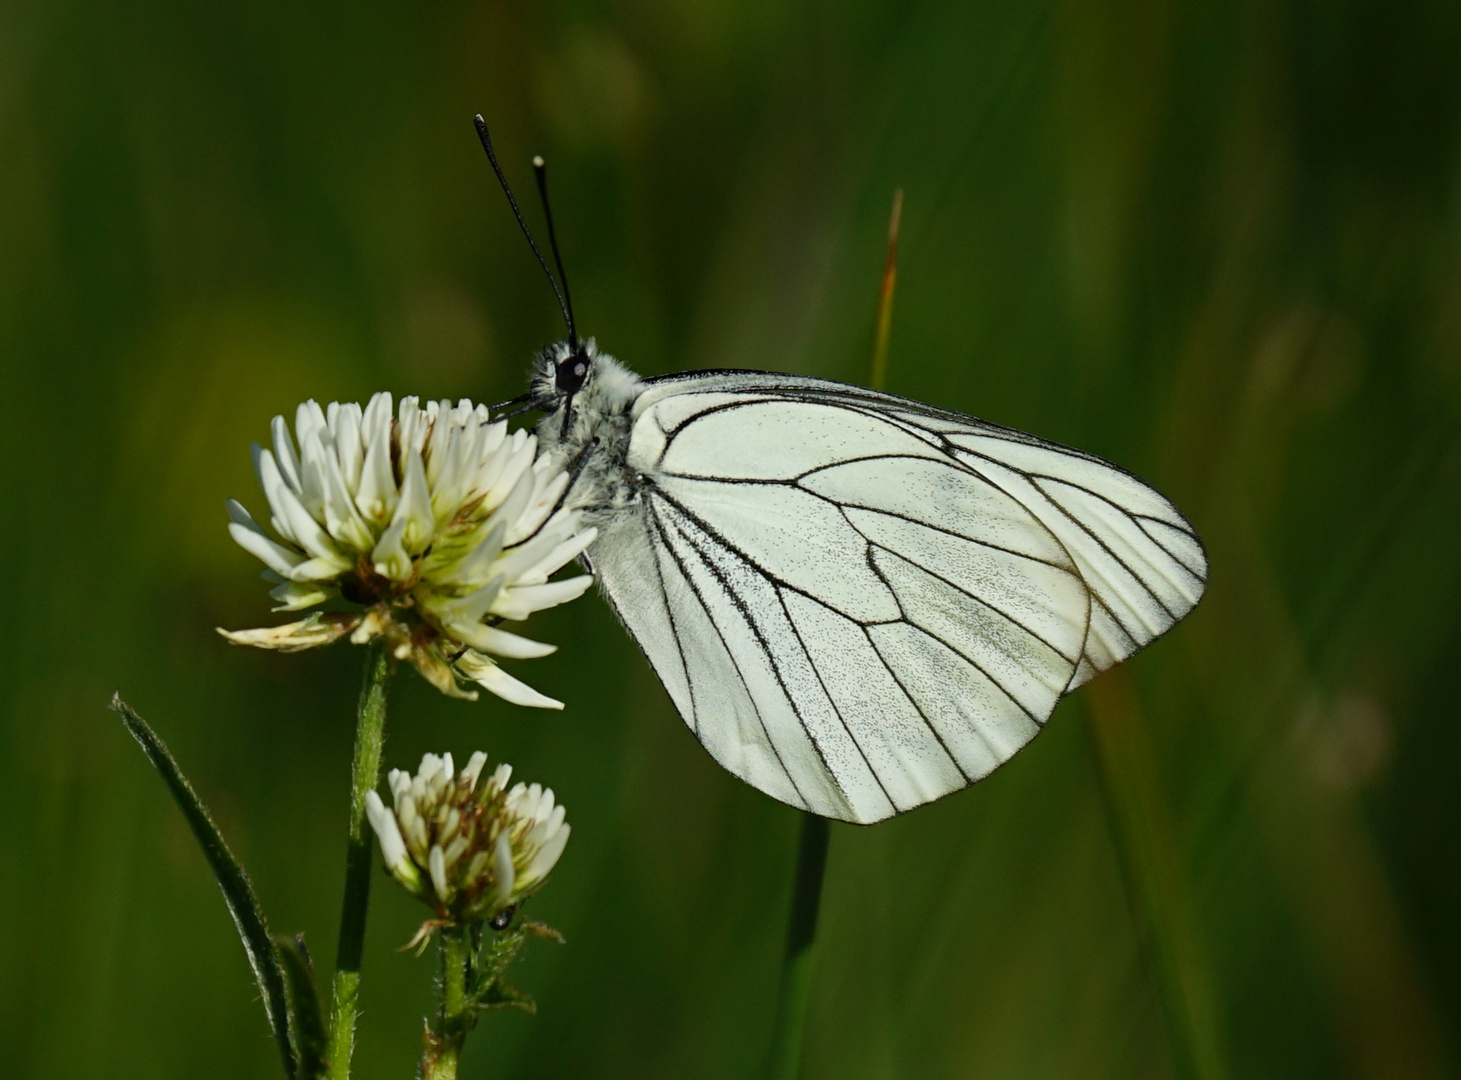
(690,583)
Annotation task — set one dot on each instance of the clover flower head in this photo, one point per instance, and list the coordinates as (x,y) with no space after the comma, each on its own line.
(464,843)
(427,526)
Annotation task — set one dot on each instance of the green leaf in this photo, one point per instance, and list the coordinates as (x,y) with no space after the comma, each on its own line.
(307,1022)
(238,892)
(503,995)
(495,953)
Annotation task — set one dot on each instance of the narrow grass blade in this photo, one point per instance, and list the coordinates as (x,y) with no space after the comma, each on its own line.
(238,892)
(1152,868)
(801,935)
(811,859)
(307,1020)
(878,376)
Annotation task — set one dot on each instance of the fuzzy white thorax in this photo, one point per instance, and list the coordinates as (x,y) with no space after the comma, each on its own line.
(596,439)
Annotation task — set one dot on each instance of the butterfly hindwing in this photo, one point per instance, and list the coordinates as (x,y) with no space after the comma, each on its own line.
(859,604)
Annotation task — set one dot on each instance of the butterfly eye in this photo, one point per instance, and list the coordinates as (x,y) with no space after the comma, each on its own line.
(571,373)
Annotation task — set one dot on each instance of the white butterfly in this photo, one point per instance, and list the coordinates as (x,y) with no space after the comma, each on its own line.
(858,603)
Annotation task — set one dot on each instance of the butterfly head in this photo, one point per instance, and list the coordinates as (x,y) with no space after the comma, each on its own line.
(561,373)
(580,390)
(571,372)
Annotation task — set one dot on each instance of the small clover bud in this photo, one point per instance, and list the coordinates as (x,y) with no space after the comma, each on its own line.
(465,844)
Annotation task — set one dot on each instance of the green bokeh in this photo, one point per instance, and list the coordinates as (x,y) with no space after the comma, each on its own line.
(1217,243)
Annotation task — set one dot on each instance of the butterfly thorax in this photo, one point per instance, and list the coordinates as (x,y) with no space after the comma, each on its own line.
(588,398)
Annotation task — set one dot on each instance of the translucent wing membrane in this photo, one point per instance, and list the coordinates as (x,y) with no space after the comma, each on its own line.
(860,604)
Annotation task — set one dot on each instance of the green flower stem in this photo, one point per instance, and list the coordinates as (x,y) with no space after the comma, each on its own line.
(364,774)
(444,1042)
(454,974)
(801,934)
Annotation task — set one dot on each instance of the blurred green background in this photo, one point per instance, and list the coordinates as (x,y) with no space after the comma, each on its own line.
(1219,244)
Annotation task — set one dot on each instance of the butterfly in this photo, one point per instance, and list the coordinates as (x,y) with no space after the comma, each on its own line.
(857,602)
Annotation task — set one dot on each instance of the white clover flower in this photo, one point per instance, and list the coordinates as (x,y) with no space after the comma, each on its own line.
(428,528)
(463,843)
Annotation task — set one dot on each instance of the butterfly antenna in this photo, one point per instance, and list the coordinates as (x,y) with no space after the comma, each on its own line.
(502,412)
(523,225)
(510,402)
(540,174)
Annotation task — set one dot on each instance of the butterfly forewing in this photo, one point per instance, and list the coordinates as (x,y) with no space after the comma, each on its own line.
(859,603)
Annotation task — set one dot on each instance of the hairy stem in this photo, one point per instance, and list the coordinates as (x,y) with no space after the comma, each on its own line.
(444,1040)
(364,774)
